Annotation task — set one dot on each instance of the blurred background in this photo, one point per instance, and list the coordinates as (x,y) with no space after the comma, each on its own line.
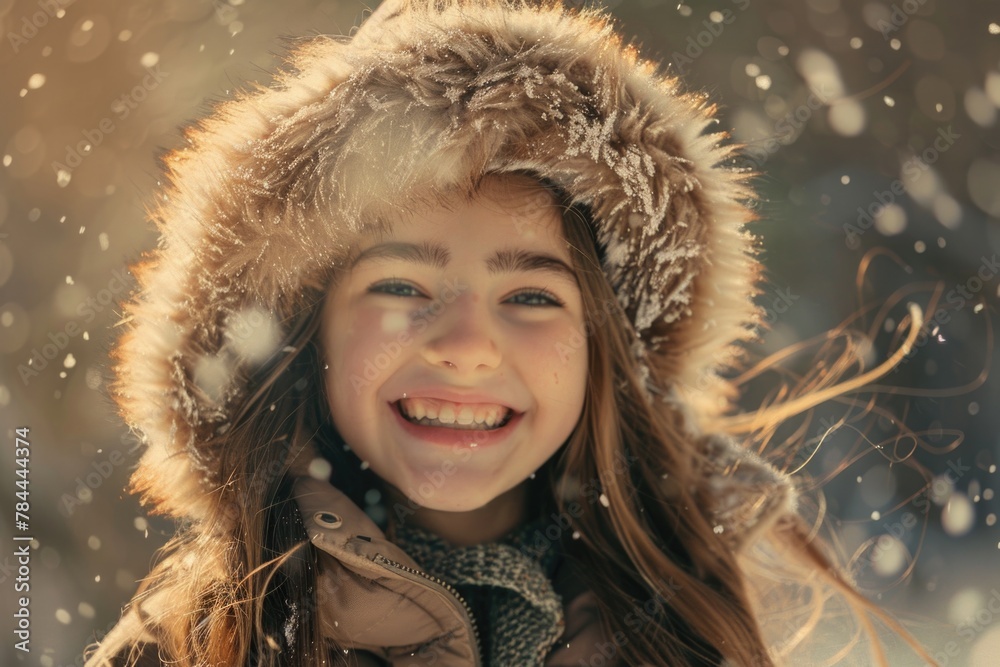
(873,125)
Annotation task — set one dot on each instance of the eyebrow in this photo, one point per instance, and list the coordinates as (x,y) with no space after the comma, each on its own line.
(504,260)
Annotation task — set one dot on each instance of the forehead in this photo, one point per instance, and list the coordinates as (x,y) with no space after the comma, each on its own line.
(515,209)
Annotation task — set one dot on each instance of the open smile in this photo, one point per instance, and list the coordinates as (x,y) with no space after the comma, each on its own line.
(459,416)
(471,435)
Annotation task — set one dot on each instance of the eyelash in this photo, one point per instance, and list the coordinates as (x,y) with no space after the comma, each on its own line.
(382,287)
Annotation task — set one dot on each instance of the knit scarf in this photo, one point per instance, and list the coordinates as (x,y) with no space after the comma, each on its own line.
(507,584)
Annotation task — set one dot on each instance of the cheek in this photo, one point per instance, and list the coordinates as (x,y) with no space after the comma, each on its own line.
(368,340)
(557,360)
(353,370)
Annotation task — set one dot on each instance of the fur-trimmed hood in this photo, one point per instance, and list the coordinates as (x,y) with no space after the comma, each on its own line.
(269,190)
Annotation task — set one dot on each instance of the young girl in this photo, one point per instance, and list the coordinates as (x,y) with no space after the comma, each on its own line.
(427,365)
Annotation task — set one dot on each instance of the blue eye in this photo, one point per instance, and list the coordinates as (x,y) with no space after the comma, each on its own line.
(539,299)
(529,298)
(394,288)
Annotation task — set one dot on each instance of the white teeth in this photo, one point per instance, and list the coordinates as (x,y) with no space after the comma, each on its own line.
(447,413)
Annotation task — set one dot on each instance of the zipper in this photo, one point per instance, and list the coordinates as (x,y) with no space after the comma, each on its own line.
(382,560)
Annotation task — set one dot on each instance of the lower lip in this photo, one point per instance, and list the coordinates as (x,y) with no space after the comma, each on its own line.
(464,439)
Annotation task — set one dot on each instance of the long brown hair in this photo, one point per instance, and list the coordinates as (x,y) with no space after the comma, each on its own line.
(246,597)
(646,538)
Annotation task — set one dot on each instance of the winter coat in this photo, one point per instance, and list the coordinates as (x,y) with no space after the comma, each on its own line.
(427,612)
(429,94)
(374,598)
(426,617)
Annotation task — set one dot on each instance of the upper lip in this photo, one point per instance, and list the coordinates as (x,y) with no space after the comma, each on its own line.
(456,395)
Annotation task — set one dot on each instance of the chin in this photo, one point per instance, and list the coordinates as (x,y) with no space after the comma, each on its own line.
(457,505)
(449,494)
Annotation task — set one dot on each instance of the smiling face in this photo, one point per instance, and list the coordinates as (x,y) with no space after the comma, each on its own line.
(473,314)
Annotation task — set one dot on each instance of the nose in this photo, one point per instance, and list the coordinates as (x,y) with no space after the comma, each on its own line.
(463,337)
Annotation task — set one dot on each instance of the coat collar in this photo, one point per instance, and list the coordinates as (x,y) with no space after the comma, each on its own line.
(398,606)
(370,595)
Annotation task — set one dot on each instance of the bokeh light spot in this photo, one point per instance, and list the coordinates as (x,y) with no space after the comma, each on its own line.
(958,515)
